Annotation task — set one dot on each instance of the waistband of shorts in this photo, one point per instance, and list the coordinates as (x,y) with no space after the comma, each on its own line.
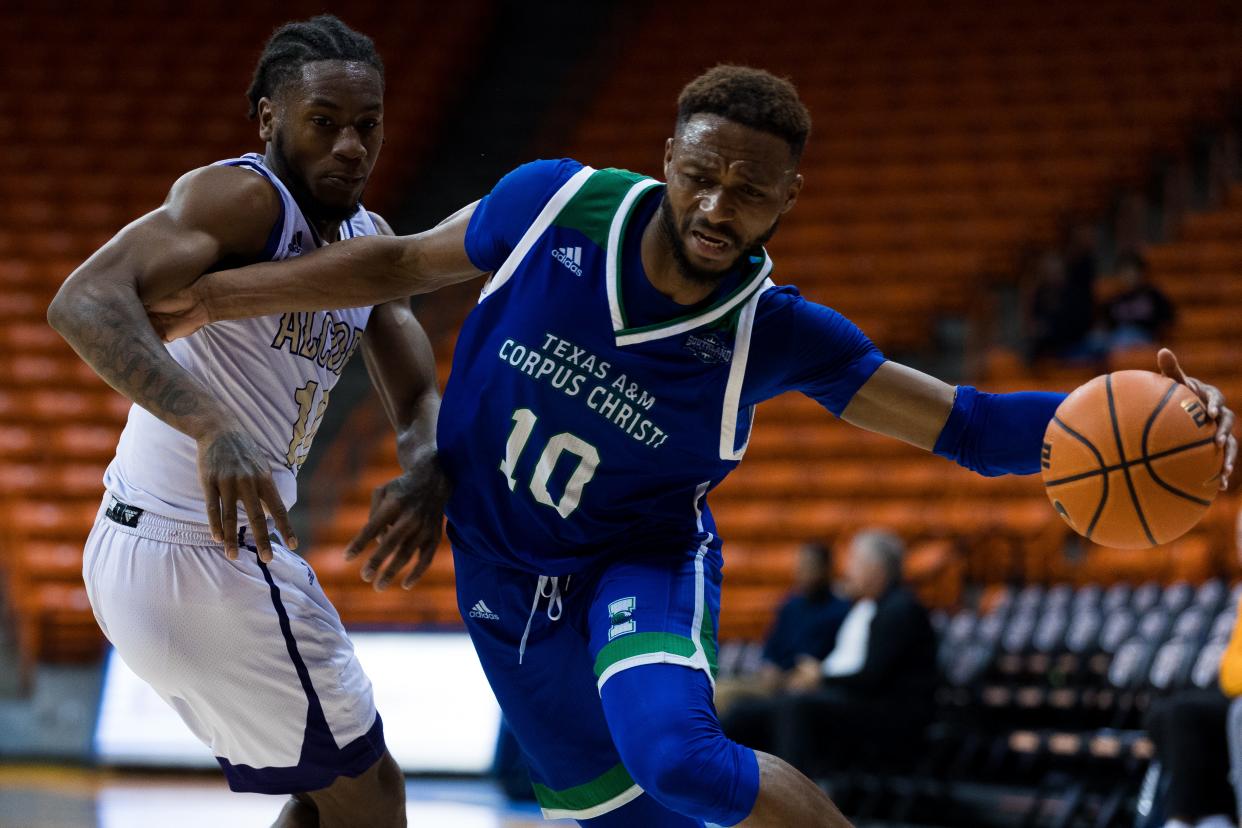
(146,524)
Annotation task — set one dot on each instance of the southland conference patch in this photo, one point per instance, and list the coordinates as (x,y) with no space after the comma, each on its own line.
(708,347)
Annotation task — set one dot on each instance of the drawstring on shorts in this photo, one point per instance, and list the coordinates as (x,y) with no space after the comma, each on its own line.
(555,605)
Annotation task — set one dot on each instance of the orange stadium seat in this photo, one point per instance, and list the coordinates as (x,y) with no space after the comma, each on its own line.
(945,149)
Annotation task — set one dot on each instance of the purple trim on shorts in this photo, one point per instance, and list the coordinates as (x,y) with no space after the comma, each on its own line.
(321,761)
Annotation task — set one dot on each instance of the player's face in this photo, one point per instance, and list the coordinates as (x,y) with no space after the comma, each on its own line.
(728,185)
(327,129)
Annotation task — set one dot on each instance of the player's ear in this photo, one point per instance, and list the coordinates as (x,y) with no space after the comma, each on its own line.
(791,197)
(668,157)
(266,117)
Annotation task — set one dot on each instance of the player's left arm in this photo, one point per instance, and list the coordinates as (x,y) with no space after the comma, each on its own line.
(992,434)
(407,512)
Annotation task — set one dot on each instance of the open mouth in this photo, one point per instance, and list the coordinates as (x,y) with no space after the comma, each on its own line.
(709,244)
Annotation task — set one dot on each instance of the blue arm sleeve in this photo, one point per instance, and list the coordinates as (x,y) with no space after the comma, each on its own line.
(503,215)
(804,346)
(995,434)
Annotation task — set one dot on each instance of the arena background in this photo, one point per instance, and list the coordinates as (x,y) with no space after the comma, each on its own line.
(959,147)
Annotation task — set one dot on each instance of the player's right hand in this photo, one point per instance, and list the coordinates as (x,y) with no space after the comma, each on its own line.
(179,314)
(407,516)
(232,469)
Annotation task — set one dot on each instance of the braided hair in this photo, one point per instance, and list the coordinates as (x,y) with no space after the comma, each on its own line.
(295,44)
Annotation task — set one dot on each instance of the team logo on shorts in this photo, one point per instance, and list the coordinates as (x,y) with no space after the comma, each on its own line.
(480,610)
(123,513)
(621,617)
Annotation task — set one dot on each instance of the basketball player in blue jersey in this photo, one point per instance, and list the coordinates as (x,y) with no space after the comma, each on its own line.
(604,384)
(246,647)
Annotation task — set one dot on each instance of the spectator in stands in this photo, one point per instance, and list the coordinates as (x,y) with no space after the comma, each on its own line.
(1140,314)
(875,685)
(1231,685)
(806,623)
(1060,307)
(1189,730)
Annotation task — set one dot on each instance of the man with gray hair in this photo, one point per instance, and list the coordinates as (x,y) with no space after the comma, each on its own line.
(878,681)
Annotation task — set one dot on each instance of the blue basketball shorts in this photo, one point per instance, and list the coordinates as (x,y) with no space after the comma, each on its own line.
(550,646)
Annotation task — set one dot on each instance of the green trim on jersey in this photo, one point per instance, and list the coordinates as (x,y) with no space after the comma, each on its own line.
(608,785)
(601,210)
(592,208)
(748,285)
(707,636)
(652,643)
(636,644)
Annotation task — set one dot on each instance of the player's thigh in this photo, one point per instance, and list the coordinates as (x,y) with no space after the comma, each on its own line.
(547,692)
(656,609)
(252,657)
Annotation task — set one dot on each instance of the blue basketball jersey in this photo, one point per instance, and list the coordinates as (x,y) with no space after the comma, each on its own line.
(573,429)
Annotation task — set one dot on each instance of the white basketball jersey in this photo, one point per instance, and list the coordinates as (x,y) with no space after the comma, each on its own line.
(274,372)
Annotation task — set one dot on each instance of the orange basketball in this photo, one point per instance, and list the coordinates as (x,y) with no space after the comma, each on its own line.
(1130,460)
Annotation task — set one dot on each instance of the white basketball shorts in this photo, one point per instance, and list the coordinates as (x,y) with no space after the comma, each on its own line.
(252,656)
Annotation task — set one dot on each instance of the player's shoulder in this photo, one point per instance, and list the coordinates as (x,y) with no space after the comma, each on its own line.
(543,176)
(777,301)
(381,224)
(220,195)
(783,312)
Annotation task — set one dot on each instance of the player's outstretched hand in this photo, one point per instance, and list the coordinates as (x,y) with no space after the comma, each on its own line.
(232,468)
(1214,400)
(179,314)
(407,516)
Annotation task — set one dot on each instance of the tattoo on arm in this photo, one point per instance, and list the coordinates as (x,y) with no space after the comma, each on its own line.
(113,336)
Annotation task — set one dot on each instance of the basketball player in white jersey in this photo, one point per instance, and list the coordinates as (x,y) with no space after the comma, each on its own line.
(198,594)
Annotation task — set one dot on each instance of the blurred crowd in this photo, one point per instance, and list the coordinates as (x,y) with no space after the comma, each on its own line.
(1071,313)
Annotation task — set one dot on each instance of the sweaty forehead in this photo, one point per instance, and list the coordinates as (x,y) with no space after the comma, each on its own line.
(348,84)
(719,142)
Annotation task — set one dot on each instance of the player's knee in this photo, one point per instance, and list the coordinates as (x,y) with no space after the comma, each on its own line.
(678,754)
(376,797)
(694,773)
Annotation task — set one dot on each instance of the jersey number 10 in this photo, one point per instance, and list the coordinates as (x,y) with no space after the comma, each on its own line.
(588,459)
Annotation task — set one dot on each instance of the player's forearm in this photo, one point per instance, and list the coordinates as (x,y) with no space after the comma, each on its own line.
(416,431)
(348,274)
(995,434)
(107,326)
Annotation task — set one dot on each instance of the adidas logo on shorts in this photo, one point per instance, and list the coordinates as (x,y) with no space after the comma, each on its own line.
(571,257)
(480,610)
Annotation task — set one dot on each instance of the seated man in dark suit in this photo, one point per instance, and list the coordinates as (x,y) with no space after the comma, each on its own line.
(876,684)
(806,622)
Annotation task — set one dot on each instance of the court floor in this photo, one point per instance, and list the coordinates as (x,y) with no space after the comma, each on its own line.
(58,797)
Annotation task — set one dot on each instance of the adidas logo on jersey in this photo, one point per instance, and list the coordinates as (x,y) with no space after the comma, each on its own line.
(480,610)
(571,257)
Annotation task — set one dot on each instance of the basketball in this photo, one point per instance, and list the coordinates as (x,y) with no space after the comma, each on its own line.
(1130,461)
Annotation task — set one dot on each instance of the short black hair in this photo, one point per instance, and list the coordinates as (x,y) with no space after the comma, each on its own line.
(751,97)
(821,552)
(295,44)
